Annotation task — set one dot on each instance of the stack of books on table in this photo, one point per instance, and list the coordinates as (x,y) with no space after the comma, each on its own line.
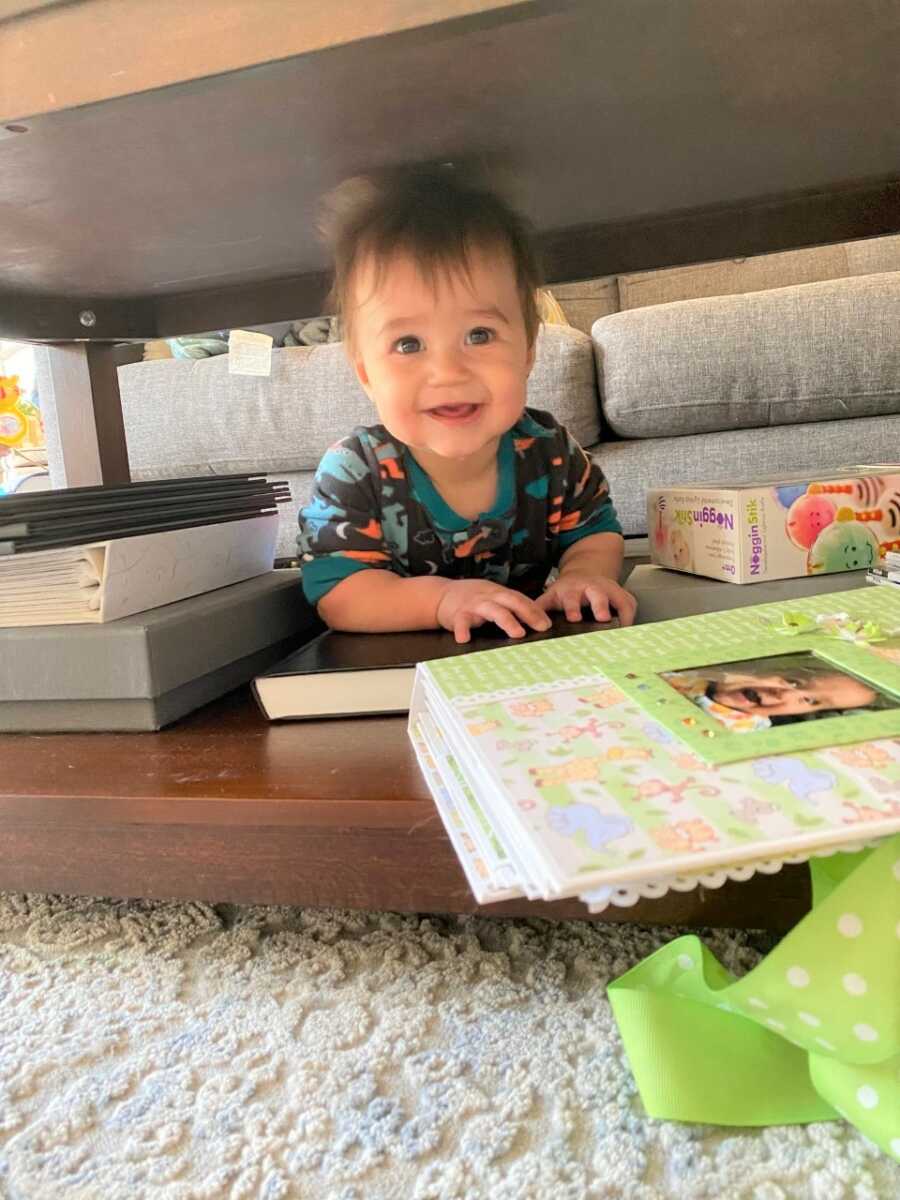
(100,553)
(622,764)
(888,570)
(124,607)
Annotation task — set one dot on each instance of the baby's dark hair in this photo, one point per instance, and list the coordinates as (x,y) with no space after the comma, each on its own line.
(436,215)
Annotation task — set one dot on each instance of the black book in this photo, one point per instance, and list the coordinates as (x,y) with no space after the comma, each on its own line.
(81,516)
(368,674)
(105,494)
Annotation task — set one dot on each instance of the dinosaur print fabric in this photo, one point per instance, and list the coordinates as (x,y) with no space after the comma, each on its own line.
(372,506)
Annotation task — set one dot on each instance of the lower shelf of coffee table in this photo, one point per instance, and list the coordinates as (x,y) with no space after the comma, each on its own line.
(222,806)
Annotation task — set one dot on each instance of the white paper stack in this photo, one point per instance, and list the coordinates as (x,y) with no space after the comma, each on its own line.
(887,571)
(106,580)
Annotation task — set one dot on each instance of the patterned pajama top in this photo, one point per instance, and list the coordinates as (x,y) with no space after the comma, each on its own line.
(373,507)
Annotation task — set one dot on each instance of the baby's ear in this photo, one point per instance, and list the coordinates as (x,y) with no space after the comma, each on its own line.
(532,352)
(362,374)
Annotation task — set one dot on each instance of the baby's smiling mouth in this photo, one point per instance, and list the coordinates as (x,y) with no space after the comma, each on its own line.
(453,412)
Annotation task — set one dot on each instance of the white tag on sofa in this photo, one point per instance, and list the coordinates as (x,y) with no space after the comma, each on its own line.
(249,353)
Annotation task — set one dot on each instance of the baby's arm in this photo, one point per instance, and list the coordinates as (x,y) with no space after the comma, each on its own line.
(598,554)
(588,575)
(378,601)
(593,546)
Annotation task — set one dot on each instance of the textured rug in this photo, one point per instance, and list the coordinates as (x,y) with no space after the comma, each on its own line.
(184,1052)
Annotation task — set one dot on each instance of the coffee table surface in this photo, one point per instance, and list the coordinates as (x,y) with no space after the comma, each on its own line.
(223,806)
(225,756)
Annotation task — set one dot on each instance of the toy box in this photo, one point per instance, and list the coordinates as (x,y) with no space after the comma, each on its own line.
(777,528)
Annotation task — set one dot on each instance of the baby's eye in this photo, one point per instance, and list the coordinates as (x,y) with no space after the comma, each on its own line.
(408,345)
(480,336)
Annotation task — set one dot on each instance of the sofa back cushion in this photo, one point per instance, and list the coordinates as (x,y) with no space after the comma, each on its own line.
(759,273)
(815,352)
(187,417)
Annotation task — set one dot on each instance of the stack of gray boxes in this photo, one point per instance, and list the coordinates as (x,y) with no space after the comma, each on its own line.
(144,671)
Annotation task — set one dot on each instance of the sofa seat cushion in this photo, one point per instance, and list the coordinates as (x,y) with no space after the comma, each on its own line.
(815,352)
(738,456)
(191,417)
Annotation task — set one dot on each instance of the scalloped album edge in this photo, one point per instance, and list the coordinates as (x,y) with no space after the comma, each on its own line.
(627,896)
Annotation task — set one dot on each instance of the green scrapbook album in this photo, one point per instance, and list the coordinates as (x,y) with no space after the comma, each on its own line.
(625,762)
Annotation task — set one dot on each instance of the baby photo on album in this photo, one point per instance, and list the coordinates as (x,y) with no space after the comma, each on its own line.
(763,693)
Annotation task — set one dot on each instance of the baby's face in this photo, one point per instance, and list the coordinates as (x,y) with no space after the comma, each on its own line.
(787,695)
(681,551)
(446,366)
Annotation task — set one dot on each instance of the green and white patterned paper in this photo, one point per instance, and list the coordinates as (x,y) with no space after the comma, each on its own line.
(585,788)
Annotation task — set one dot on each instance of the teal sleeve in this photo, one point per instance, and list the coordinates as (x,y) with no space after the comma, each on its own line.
(320,575)
(587,508)
(340,528)
(604,520)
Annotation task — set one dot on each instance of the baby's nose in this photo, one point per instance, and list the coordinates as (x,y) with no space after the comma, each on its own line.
(448,366)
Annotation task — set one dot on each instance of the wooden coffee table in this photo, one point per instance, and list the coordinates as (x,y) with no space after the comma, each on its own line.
(223,806)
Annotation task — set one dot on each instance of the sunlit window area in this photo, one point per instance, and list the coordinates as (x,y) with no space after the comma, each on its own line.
(23,452)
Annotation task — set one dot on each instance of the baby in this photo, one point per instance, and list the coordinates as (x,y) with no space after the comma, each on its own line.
(774,691)
(454,509)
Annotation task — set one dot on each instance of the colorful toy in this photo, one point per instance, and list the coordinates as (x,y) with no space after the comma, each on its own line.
(865,489)
(660,532)
(807,517)
(13,420)
(887,520)
(846,545)
(890,510)
(810,514)
(787,493)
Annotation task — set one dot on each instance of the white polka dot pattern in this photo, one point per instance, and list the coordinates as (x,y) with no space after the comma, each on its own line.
(847,1016)
(850,925)
(798,977)
(854,985)
(867,1096)
(865,1033)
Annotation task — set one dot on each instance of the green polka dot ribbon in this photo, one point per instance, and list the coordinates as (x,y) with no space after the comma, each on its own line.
(811,1033)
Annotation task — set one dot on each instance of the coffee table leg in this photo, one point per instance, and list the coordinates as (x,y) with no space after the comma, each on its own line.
(79,395)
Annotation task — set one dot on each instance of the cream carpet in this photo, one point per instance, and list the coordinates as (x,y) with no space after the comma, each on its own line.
(184,1052)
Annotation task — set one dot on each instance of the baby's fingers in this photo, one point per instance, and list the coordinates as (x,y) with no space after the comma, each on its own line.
(530,612)
(462,626)
(567,600)
(571,604)
(547,600)
(599,603)
(491,610)
(624,604)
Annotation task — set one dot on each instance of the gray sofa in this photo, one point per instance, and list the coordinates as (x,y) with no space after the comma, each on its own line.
(768,375)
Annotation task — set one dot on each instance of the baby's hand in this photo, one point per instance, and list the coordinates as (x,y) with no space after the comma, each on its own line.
(571,592)
(467,603)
